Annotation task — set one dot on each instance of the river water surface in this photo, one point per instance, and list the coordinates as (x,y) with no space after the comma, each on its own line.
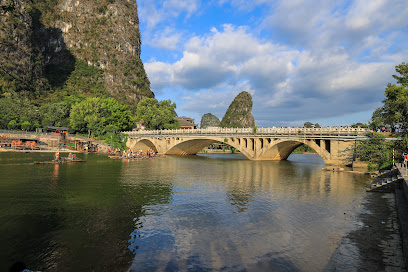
(193,213)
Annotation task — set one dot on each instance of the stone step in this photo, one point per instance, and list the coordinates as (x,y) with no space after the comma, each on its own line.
(383,184)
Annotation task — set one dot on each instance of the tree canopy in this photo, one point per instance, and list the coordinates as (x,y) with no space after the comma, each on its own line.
(395,105)
(394,113)
(100,116)
(19,110)
(157,115)
(376,150)
(311,125)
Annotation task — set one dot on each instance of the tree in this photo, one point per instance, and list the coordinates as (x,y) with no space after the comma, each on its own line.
(395,106)
(12,124)
(15,107)
(9,111)
(100,116)
(308,125)
(359,125)
(55,114)
(117,117)
(375,150)
(157,115)
(85,114)
(26,125)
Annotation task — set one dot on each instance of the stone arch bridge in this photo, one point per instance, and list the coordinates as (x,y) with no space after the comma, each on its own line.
(334,144)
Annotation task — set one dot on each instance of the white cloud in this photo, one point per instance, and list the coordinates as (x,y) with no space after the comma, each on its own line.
(215,100)
(176,7)
(325,59)
(381,14)
(244,4)
(230,55)
(168,39)
(342,24)
(154,12)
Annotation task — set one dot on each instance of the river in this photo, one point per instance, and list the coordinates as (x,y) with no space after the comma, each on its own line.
(210,212)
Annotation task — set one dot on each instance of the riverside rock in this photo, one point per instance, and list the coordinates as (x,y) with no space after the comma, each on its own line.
(239,113)
(209,120)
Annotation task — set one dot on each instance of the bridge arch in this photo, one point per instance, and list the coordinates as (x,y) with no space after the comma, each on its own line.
(144,145)
(193,146)
(281,149)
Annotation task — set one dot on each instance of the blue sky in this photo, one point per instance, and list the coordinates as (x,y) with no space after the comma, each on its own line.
(302,60)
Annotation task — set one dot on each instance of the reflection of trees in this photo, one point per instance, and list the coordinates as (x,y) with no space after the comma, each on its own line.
(81,218)
(108,211)
(96,220)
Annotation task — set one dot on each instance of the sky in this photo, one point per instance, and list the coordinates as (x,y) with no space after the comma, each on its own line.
(322,61)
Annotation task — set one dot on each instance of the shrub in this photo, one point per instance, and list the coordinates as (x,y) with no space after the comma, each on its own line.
(12,124)
(26,125)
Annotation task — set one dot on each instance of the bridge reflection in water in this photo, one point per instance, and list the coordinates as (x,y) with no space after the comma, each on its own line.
(227,212)
(334,145)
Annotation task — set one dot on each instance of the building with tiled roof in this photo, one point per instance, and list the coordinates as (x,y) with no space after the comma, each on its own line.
(186,123)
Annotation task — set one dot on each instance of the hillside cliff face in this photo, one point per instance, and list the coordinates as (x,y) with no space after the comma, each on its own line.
(21,63)
(106,34)
(209,120)
(239,113)
(49,39)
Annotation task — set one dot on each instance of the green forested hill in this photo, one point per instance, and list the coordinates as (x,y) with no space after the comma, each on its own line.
(239,113)
(55,54)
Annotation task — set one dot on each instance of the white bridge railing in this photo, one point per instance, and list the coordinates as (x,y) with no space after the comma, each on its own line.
(345,133)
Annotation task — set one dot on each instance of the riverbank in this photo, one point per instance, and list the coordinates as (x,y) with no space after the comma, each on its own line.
(376,243)
(379,241)
(48,150)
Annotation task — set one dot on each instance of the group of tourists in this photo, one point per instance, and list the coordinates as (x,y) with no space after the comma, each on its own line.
(71,156)
(112,150)
(129,154)
(388,129)
(383,129)
(58,158)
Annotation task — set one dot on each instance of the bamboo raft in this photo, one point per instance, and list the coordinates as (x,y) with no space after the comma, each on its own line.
(61,161)
(115,157)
